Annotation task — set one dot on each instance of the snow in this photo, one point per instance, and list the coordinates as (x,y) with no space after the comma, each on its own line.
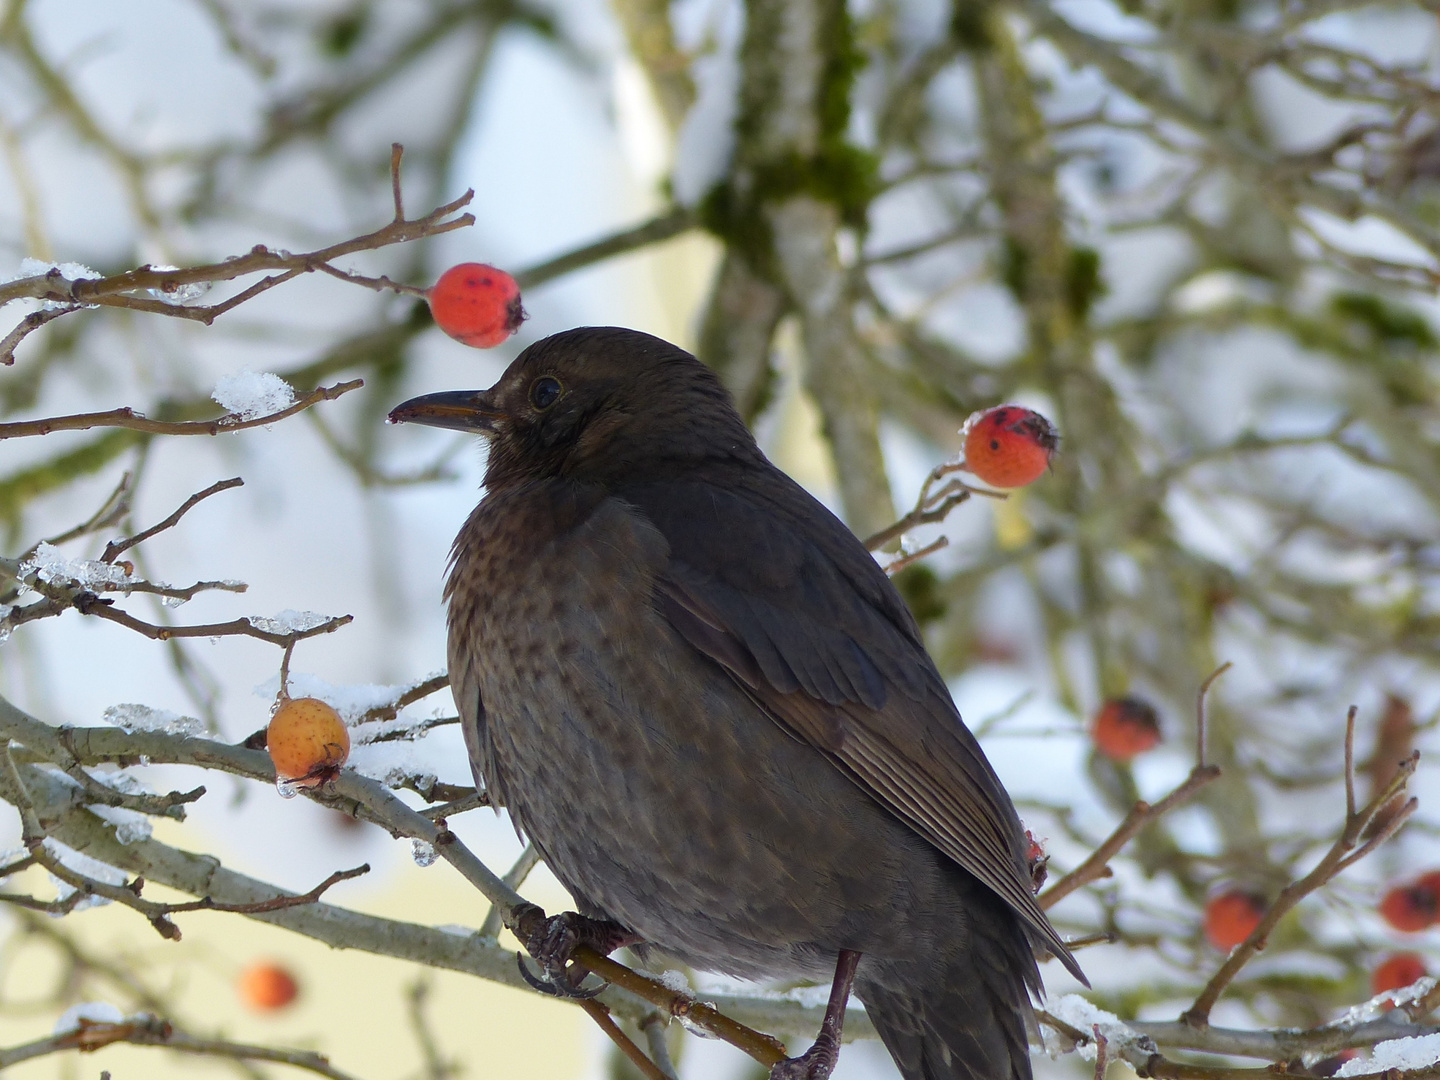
(50,564)
(1079,1013)
(352,701)
(251,395)
(100,1012)
(82,864)
(134,717)
(1378,1005)
(288,621)
(131,827)
(1415,1052)
(70,271)
(677,981)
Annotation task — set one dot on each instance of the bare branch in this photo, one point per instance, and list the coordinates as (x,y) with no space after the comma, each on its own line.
(1335,860)
(128,418)
(115,548)
(146,1030)
(1141,814)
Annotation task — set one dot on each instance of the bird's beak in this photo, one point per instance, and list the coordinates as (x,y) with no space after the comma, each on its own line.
(460,410)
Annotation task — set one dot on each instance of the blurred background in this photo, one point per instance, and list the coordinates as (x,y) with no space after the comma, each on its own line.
(1200,235)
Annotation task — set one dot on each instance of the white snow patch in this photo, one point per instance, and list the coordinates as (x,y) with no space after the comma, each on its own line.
(1378,1005)
(1415,1052)
(1079,1013)
(135,717)
(50,564)
(288,622)
(100,1012)
(251,394)
(677,981)
(131,827)
(70,271)
(351,701)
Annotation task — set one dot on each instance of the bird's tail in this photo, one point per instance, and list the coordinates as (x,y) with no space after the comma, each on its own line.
(963,1016)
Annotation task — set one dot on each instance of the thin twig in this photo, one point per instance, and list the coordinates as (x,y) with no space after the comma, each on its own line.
(128,418)
(654,1026)
(145,1030)
(1342,854)
(896,565)
(1200,718)
(1141,814)
(514,877)
(115,548)
(397,151)
(601,1015)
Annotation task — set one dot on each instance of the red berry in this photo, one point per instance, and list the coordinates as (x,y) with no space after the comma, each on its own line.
(1231,916)
(266,987)
(1397,972)
(1009,446)
(1412,907)
(1038,860)
(476,304)
(1125,727)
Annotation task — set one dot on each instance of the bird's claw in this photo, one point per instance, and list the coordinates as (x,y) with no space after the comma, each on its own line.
(552,940)
(564,989)
(817,1063)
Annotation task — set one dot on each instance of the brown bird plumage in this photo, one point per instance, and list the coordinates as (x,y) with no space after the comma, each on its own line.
(701,699)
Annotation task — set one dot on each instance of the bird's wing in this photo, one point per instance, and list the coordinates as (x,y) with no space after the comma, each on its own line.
(768,583)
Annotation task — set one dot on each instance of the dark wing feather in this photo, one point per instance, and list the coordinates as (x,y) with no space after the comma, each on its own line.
(768,583)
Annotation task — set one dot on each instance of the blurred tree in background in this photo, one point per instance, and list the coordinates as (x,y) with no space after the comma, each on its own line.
(1202,236)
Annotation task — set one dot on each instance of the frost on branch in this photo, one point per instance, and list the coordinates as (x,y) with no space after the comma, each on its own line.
(96,1012)
(133,717)
(131,827)
(289,621)
(251,394)
(68,271)
(1079,1013)
(49,564)
(1415,1052)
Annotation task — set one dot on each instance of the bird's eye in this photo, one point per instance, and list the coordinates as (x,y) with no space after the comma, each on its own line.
(544,391)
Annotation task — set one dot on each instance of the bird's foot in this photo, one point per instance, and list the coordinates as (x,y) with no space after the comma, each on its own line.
(552,940)
(817,1063)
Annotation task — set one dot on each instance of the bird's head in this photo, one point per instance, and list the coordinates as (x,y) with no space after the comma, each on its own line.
(595,403)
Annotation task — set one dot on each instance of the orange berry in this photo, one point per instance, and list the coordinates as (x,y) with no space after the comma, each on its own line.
(1412,907)
(1231,916)
(1397,972)
(1125,727)
(307,741)
(266,987)
(1009,446)
(476,304)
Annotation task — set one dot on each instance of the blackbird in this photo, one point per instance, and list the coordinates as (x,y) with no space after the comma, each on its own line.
(708,708)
